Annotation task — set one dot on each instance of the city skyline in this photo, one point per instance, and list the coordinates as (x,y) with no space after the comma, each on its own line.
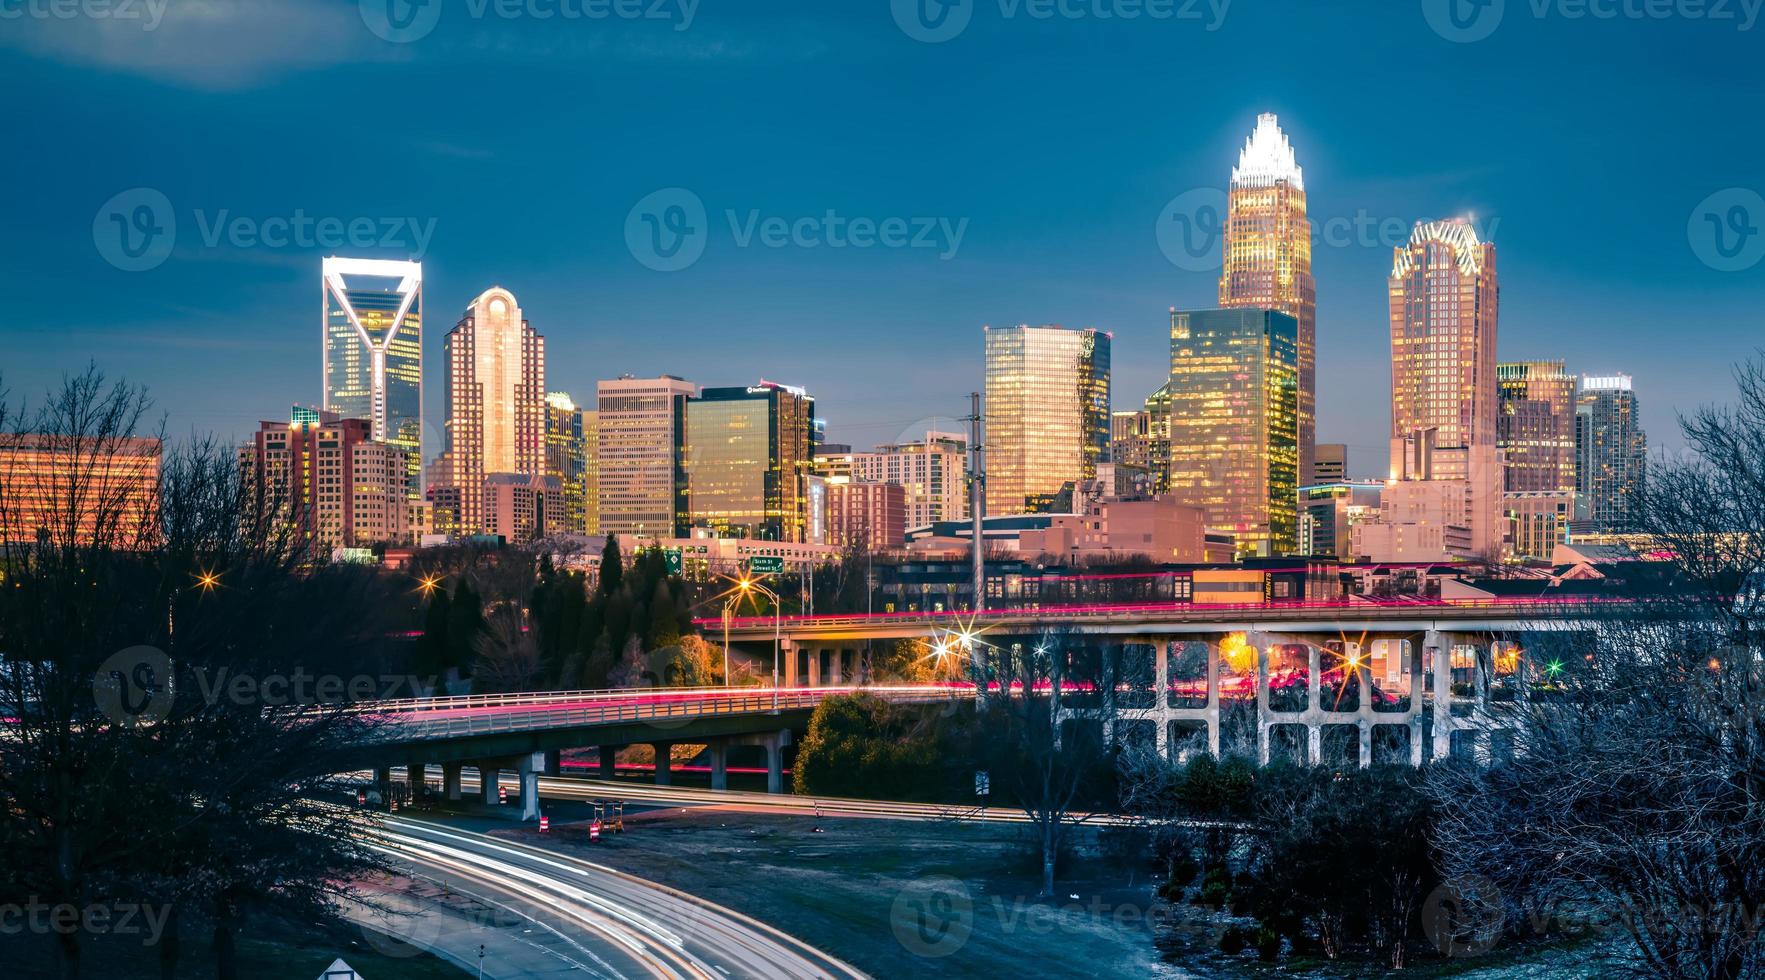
(1089,256)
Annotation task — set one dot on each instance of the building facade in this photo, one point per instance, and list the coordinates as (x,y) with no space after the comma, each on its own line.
(373,353)
(1611,449)
(521,507)
(329,480)
(496,410)
(1328,513)
(640,449)
(1443,303)
(77,491)
(1268,256)
(872,516)
(1234,407)
(1047,408)
(1535,432)
(933,472)
(566,458)
(749,454)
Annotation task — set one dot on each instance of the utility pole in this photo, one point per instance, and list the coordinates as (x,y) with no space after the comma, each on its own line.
(977,479)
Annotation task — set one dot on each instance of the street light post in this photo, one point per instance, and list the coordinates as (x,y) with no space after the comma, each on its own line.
(746,585)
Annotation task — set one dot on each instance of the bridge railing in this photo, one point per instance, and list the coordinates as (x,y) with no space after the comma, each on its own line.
(684,695)
(1272,610)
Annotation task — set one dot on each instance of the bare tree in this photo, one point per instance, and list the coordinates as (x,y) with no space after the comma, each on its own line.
(1636,788)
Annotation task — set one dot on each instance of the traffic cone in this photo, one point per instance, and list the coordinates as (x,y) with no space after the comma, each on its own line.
(502,793)
(594,830)
(545,823)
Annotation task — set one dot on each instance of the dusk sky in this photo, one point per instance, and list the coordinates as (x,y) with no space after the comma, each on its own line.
(1584,148)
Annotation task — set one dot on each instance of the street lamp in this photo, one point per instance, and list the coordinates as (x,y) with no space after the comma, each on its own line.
(747,585)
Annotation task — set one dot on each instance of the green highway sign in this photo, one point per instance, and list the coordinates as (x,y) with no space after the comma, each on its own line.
(766,564)
(672,557)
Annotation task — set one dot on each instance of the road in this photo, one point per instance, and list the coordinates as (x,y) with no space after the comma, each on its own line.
(539,913)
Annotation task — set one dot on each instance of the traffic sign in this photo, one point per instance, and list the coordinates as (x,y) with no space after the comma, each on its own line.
(766,564)
(339,970)
(671,556)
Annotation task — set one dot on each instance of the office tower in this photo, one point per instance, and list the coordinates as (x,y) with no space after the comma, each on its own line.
(872,516)
(496,412)
(1268,256)
(1047,413)
(1535,427)
(328,480)
(1329,463)
(1443,302)
(1328,513)
(1611,449)
(748,461)
(78,491)
(566,458)
(590,420)
(640,450)
(932,471)
(373,357)
(1234,406)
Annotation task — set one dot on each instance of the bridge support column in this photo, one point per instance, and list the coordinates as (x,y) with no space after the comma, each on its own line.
(414,775)
(664,762)
(529,766)
(554,762)
(1260,643)
(1415,658)
(787,669)
(1213,699)
(450,780)
(609,758)
(719,752)
(487,783)
(775,761)
(1440,647)
(1314,730)
(383,778)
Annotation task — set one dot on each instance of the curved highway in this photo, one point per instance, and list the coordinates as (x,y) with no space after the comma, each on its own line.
(588,919)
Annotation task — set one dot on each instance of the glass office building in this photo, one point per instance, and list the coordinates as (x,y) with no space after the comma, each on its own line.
(373,353)
(640,446)
(1611,449)
(749,456)
(1234,424)
(1047,413)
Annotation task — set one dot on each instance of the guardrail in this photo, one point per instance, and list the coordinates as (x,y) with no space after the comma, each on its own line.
(683,694)
(1178,610)
(409,725)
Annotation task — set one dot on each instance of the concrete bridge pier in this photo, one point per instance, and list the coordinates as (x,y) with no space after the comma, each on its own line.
(774,744)
(719,752)
(554,762)
(488,775)
(664,762)
(383,778)
(414,774)
(1314,681)
(1439,646)
(450,780)
(609,761)
(529,765)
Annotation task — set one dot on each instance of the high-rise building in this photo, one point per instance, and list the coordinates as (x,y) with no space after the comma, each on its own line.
(1234,406)
(566,458)
(1611,449)
(748,461)
(590,420)
(1328,513)
(496,413)
(868,515)
(1268,256)
(1535,429)
(640,450)
(521,507)
(1047,413)
(932,471)
(373,359)
(329,480)
(1443,302)
(1329,462)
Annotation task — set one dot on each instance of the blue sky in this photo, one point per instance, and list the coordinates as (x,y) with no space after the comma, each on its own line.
(1583,146)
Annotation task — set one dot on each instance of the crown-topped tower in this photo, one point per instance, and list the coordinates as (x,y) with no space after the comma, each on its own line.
(1267,157)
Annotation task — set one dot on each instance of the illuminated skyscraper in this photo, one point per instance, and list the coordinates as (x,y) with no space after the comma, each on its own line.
(749,456)
(1268,256)
(566,458)
(1443,302)
(1047,413)
(1535,429)
(1234,407)
(373,358)
(327,480)
(495,366)
(1611,449)
(641,448)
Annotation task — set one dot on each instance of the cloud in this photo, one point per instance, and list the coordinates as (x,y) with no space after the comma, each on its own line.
(209,44)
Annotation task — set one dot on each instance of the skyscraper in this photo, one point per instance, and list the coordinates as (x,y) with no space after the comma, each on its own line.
(1535,429)
(639,452)
(1611,449)
(373,357)
(1443,301)
(566,458)
(749,455)
(327,480)
(495,366)
(1268,256)
(932,471)
(1234,407)
(1047,413)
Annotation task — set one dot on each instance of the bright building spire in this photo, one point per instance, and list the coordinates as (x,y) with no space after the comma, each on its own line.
(1267,157)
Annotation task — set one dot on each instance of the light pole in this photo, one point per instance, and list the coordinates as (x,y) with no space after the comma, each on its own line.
(747,585)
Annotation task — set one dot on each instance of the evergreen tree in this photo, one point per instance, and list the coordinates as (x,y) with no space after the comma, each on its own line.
(612,566)
(431,655)
(465,622)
